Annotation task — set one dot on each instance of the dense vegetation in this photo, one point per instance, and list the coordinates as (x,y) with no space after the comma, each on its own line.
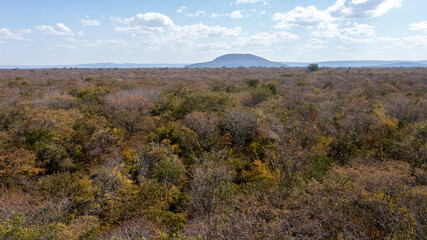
(213,154)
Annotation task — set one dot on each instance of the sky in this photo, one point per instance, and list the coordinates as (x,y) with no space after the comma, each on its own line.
(56,32)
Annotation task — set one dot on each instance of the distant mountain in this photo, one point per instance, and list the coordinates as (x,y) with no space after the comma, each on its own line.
(234,61)
(237,60)
(367,63)
(404,64)
(97,65)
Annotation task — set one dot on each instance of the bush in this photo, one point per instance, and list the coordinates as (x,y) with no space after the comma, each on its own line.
(253,83)
(182,137)
(17,166)
(15,228)
(312,67)
(241,124)
(168,170)
(79,190)
(206,101)
(90,94)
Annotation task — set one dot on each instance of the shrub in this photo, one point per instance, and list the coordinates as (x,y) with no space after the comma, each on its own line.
(253,83)
(15,228)
(205,101)
(78,189)
(17,166)
(206,127)
(312,67)
(168,170)
(241,124)
(90,94)
(184,138)
(127,108)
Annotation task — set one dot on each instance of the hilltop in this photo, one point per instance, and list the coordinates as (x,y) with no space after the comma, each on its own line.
(237,60)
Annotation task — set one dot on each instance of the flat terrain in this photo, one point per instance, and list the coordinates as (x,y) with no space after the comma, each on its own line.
(246,153)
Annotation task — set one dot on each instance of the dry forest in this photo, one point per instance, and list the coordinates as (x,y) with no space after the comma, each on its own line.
(245,153)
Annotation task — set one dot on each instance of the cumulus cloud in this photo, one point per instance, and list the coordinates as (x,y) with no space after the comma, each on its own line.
(145,22)
(301,16)
(247,1)
(59,29)
(415,41)
(332,22)
(315,44)
(341,10)
(77,43)
(158,23)
(113,42)
(7,34)
(418,40)
(356,33)
(362,8)
(266,39)
(327,30)
(196,14)
(201,30)
(181,9)
(236,14)
(201,36)
(90,22)
(420,26)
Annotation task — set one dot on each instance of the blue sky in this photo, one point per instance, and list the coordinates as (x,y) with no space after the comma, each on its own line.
(182,31)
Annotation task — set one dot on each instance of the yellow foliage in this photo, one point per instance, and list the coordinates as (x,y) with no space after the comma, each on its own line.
(380,112)
(118,133)
(260,172)
(78,227)
(129,155)
(59,123)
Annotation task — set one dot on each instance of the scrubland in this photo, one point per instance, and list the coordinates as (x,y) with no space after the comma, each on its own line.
(213,153)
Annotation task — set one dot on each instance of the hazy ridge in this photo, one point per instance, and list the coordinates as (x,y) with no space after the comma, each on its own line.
(235,61)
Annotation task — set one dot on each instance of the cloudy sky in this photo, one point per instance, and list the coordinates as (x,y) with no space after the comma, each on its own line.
(187,31)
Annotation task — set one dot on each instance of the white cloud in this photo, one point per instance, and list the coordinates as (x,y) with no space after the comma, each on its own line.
(327,30)
(59,29)
(236,14)
(73,40)
(161,26)
(145,22)
(215,15)
(362,8)
(76,43)
(315,44)
(68,46)
(337,21)
(181,9)
(200,30)
(247,1)
(359,1)
(266,39)
(7,34)
(342,9)
(114,42)
(196,14)
(300,16)
(415,41)
(420,26)
(90,22)
(341,48)
(356,33)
